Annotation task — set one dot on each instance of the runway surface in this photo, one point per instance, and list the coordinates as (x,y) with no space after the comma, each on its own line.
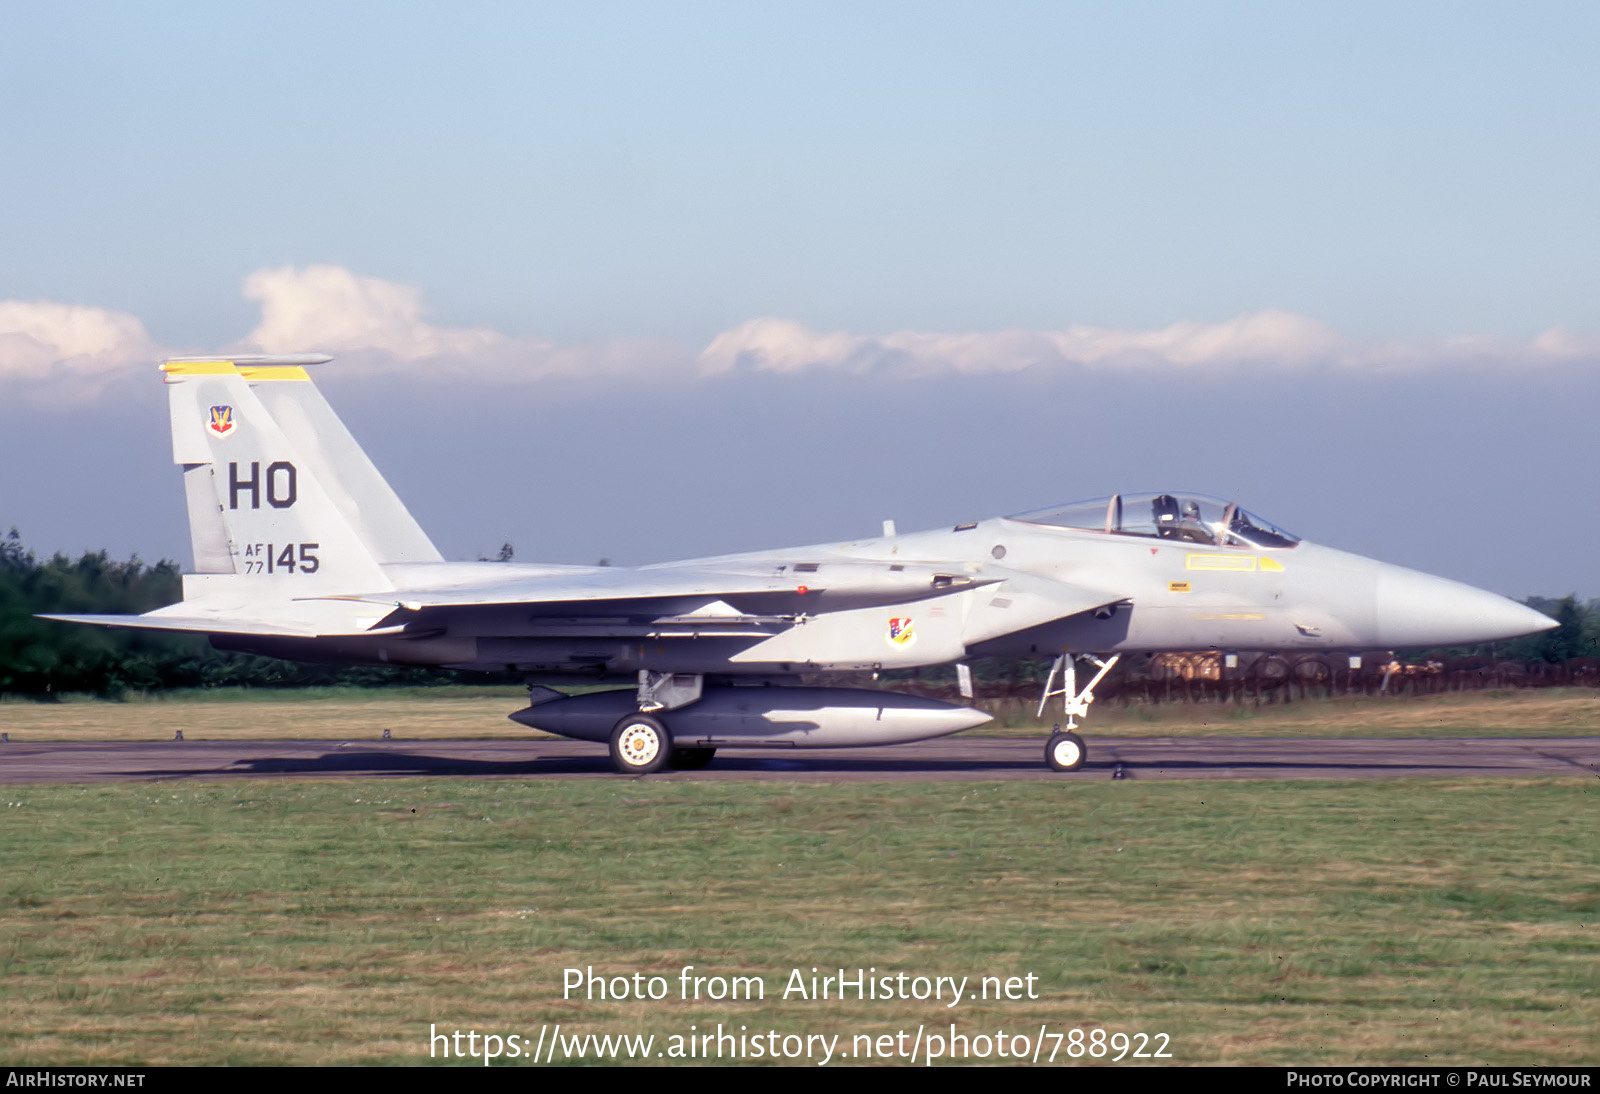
(948,759)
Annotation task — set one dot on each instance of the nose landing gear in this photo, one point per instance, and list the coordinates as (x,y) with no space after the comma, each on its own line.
(1065,751)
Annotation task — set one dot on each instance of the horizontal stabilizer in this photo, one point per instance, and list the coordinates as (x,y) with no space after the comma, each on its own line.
(177,623)
(343,625)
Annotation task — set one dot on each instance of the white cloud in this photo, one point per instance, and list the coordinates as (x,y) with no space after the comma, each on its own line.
(382,325)
(780,345)
(40,339)
(1557,342)
(1271,338)
(329,309)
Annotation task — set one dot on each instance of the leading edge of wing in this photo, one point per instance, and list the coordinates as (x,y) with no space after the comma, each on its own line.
(1001,601)
(831,586)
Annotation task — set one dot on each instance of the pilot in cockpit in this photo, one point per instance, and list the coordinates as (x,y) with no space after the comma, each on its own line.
(1173,522)
(1191,527)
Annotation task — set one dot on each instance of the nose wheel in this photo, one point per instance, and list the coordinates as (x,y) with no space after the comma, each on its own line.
(1065,751)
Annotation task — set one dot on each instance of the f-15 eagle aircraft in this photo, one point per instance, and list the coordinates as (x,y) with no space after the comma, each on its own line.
(302,551)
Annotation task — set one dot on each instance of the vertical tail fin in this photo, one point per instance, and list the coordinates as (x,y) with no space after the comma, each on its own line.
(261,506)
(362,495)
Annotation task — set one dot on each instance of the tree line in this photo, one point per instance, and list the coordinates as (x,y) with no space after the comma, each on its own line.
(39,657)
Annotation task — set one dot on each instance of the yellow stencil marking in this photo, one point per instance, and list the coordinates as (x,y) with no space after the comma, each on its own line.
(1177,586)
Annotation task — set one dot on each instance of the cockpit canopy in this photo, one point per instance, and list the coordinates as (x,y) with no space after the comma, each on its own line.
(1191,518)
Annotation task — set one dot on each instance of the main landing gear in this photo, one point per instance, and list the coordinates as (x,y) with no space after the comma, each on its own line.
(1065,751)
(641,744)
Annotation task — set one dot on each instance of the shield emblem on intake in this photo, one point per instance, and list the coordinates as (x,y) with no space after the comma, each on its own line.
(900,632)
(222,422)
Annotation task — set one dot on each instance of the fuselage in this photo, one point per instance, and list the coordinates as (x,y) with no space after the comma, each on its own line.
(1020,589)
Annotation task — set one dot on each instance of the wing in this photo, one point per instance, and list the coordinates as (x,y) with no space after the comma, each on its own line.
(620,601)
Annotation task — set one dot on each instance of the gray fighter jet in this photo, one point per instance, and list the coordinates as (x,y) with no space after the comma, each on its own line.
(302,551)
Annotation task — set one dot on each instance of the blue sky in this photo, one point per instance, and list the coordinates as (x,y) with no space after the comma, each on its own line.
(1170,229)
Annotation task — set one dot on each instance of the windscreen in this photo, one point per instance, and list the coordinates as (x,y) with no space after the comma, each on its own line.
(1191,518)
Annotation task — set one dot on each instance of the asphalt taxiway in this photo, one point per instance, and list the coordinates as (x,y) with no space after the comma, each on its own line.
(947,759)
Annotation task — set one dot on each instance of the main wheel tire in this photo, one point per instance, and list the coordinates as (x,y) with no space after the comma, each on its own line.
(640,745)
(1065,752)
(691,759)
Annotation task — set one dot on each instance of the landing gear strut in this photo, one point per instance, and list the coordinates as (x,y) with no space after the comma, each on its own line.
(668,690)
(641,744)
(1065,751)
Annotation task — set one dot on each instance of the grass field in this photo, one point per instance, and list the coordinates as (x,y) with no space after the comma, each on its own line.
(337,921)
(314,714)
(1251,922)
(322,714)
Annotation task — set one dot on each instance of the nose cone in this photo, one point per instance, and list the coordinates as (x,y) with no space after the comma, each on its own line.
(1416,609)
